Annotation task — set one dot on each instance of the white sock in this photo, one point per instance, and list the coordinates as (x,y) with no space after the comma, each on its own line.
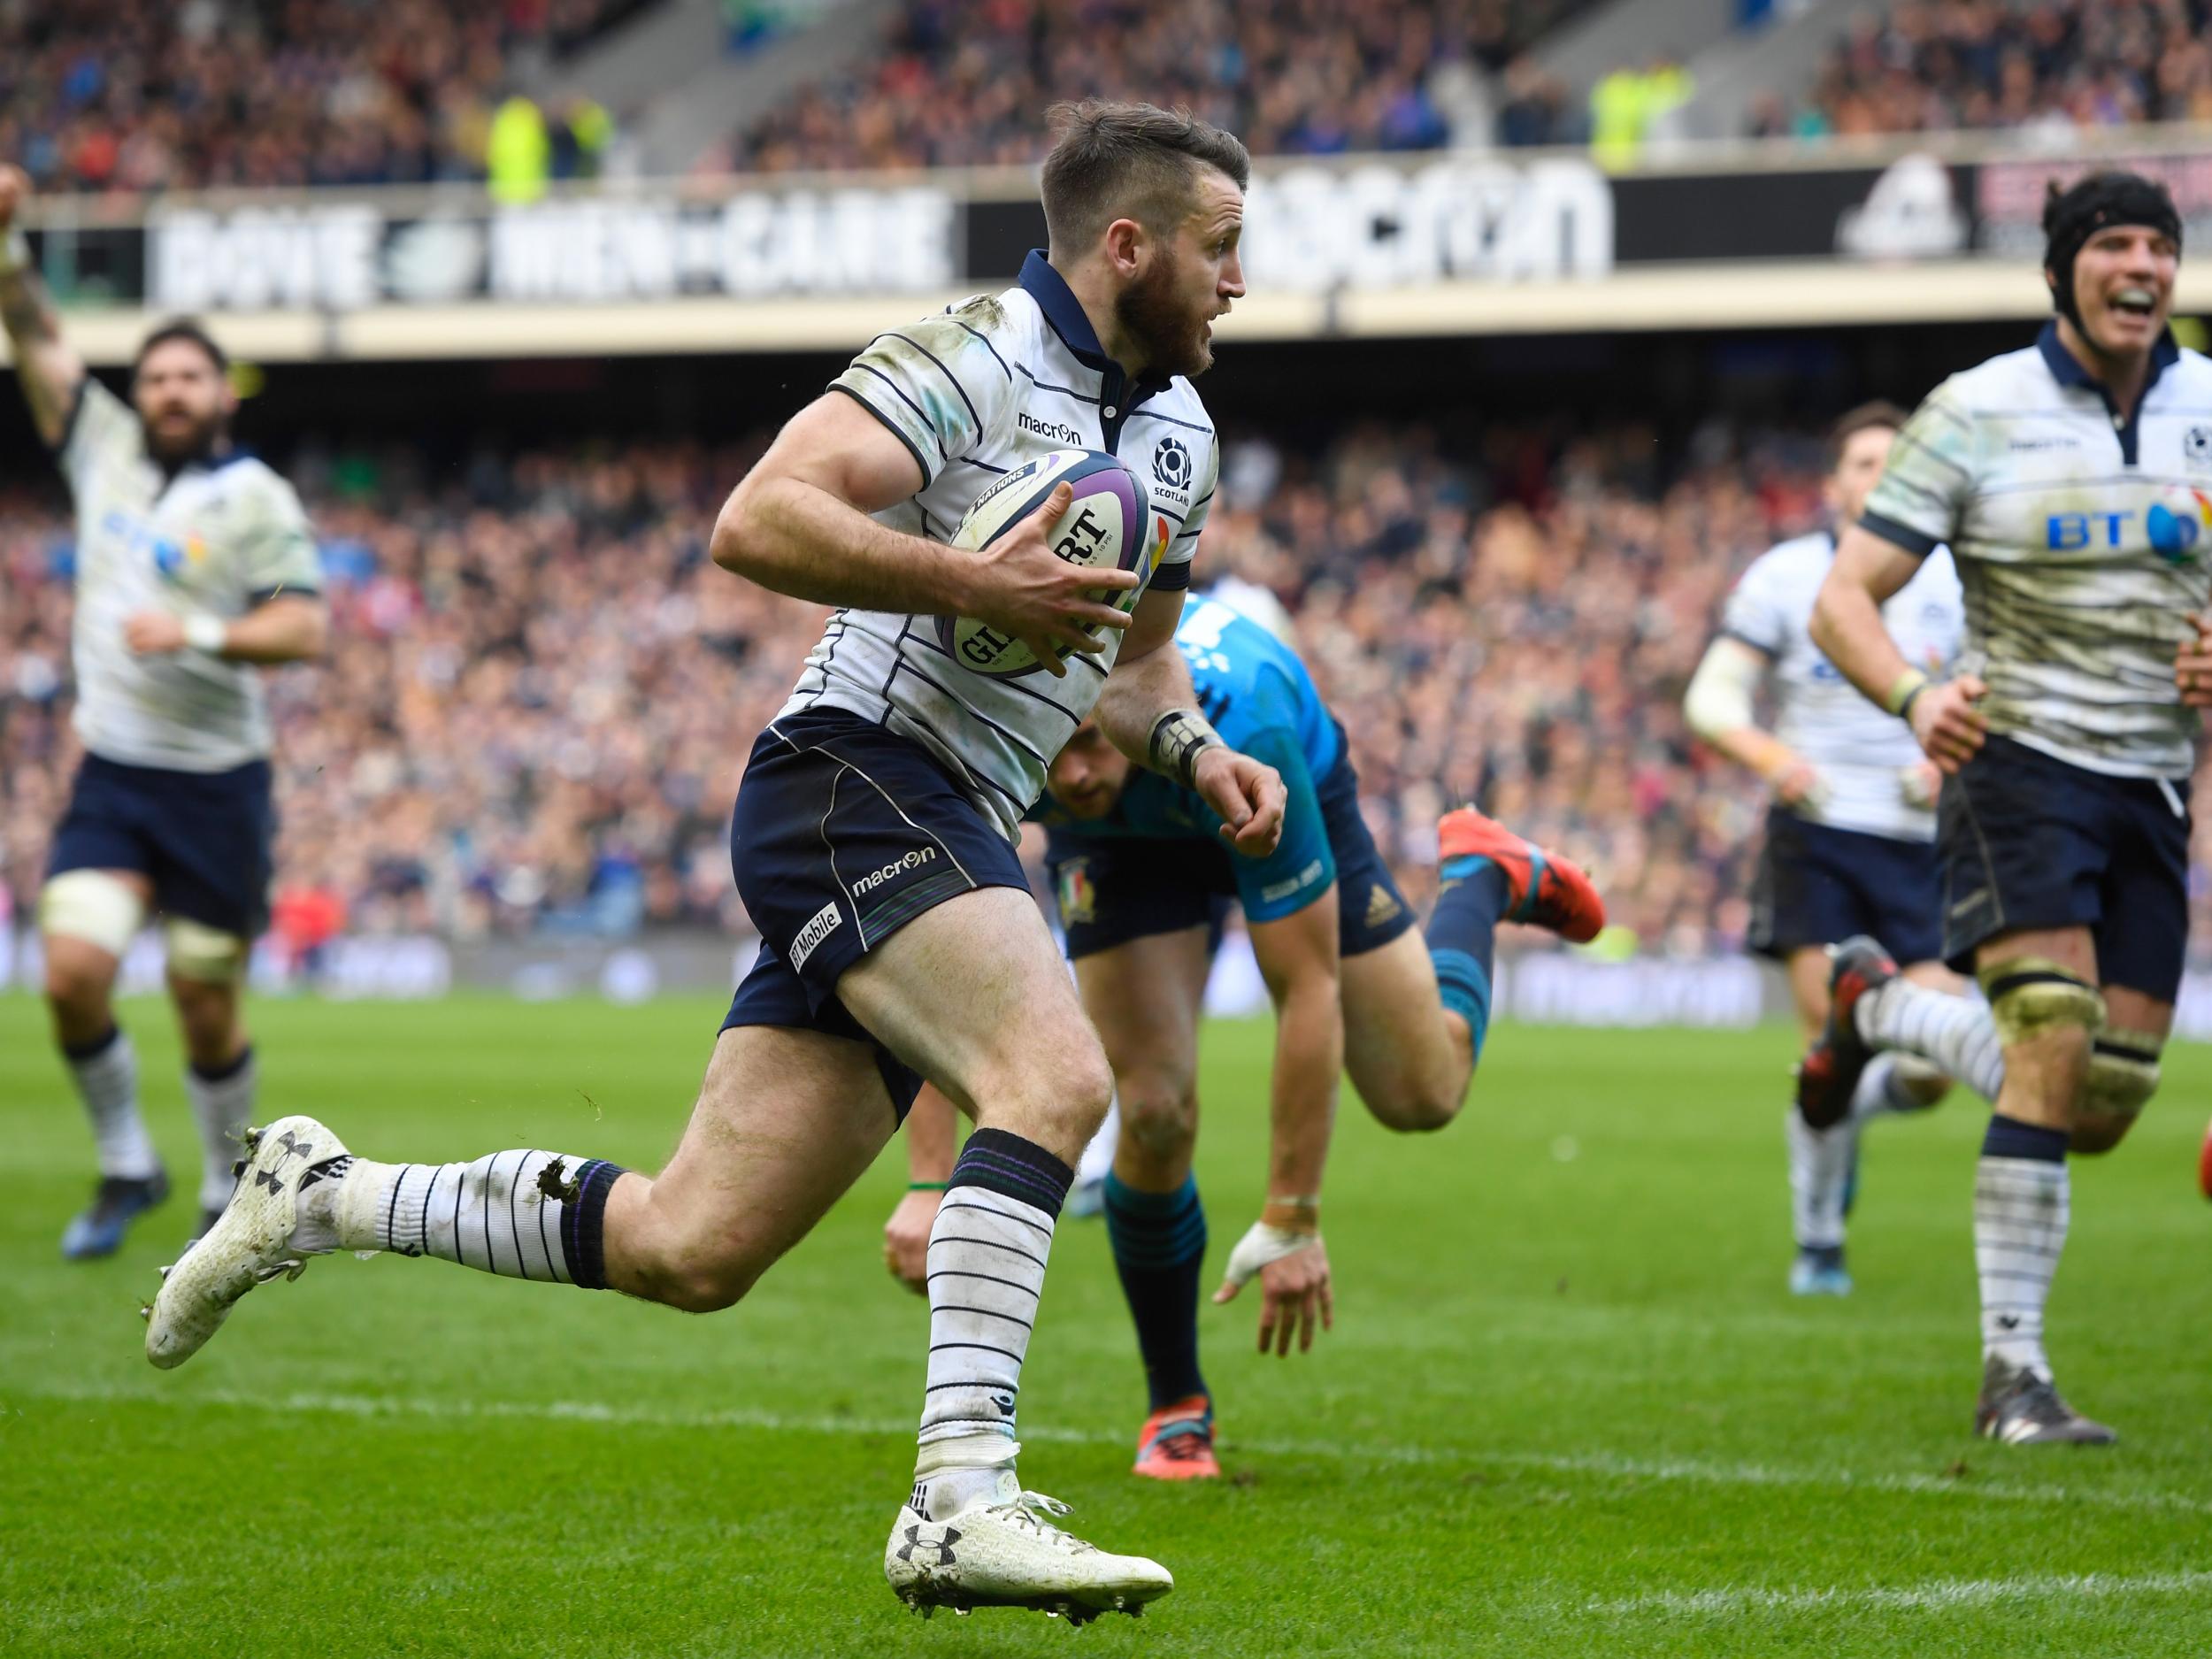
(1820,1170)
(519,1214)
(107,1083)
(1954,1034)
(223,1108)
(987,1252)
(2021,1208)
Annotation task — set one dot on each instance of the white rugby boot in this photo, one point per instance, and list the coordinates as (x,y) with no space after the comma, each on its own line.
(1001,1550)
(253,1243)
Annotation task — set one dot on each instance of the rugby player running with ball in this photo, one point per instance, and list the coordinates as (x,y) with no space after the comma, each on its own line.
(873,845)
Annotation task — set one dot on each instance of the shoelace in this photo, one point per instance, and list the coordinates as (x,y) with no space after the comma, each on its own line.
(1182,1444)
(1028,1513)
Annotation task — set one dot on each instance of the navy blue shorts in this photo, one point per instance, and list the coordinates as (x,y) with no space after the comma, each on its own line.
(1114,888)
(2030,842)
(844,833)
(203,839)
(1818,885)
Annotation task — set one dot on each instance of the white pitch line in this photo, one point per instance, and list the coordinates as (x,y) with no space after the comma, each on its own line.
(1934,1596)
(1605,1465)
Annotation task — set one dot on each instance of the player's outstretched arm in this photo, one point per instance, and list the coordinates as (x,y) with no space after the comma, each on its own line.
(1149,710)
(798,523)
(46,366)
(1298,958)
(932,1143)
(1847,626)
(289,628)
(1718,708)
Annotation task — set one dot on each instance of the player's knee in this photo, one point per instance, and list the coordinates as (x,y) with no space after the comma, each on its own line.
(88,918)
(1067,1088)
(2033,999)
(1161,1116)
(2122,1076)
(200,954)
(704,1278)
(1418,1101)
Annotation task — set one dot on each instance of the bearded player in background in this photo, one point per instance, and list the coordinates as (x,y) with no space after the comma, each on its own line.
(195,569)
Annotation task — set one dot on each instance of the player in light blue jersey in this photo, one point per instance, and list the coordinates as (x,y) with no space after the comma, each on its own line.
(1850,839)
(1143,879)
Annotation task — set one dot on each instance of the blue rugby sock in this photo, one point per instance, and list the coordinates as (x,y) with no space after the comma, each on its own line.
(1463,935)
(1159,1241)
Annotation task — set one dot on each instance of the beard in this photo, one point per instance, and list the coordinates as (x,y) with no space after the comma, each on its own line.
(175,446)
(1154,312)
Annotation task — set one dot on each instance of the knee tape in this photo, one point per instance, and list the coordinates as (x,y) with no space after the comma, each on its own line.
(204,954)
(93,906)
(2122,1074)
(2030,995)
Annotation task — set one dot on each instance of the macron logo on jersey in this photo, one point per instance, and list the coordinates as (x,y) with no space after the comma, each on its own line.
(826,921)
(1052,429)
(875,878)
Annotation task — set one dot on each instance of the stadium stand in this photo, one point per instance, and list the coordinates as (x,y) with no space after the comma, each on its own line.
(540,690)
(1977,63)
(1292,77)
(131,96)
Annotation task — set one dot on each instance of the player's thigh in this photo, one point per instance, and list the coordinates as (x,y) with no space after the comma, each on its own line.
(1144,995)
(1404,1058)
(785,1122)
(972,993)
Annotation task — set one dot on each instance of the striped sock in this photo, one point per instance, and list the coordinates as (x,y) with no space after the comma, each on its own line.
(1462,936)
(1820,1172)
(519,1214)
(1956,1034)
(987,1269)
(222,1105)
(105,1072)
(1159,1241)
(2021,1204)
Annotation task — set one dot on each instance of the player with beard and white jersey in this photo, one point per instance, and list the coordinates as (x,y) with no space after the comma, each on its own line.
(194,568)
(873,841)
(2072,481)
(1850,838)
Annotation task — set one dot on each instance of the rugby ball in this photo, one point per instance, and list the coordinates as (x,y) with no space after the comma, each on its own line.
(1109,525)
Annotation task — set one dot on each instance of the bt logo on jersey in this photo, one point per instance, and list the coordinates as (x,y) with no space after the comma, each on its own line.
(2173,527)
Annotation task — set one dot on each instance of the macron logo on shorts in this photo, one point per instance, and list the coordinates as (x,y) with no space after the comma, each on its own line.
(875,878)
(826,921)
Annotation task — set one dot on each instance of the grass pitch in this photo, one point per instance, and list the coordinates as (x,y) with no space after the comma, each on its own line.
(1568,1408)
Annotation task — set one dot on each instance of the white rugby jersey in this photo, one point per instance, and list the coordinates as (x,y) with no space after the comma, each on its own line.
(220,537)
(973,392)
(1861,750)
(2081,541)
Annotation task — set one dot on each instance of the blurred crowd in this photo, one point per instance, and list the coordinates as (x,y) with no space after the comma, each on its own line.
(960,81)
(161,94)
(1936,65)
(540,691)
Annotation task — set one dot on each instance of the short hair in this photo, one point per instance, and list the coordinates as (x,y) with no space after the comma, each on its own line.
(1881,415)
(189,330)
(1128,161)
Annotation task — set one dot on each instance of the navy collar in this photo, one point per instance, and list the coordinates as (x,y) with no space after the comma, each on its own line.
(2067,369)
(1056,300)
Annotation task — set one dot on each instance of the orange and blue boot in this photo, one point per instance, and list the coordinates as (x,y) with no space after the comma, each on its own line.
(1543,889)
(1177,1442)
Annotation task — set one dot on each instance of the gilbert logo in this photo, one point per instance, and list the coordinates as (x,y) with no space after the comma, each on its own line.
(1051,429)
(826,921)
(875,878)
